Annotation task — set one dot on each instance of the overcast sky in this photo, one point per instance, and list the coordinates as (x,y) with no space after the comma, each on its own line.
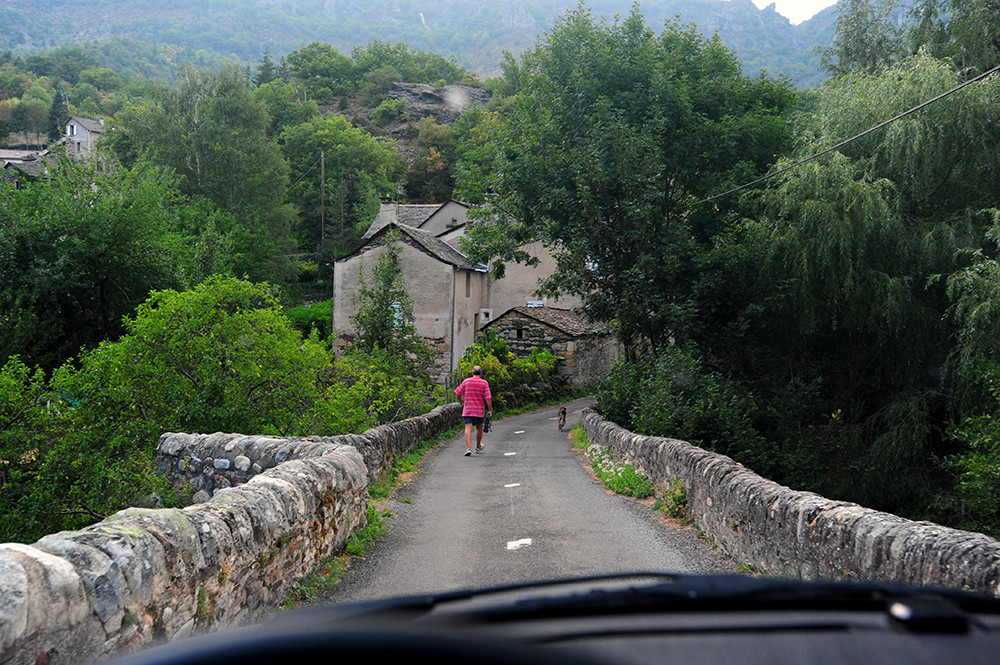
(796,11)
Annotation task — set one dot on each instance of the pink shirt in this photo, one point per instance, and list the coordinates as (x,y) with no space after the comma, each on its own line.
(476,391)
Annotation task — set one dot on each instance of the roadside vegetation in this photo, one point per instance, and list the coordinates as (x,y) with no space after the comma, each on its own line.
(834,327)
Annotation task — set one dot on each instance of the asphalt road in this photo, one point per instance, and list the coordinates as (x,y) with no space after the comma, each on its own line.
(525,509)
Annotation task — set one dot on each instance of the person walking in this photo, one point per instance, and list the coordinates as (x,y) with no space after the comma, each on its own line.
(477,403)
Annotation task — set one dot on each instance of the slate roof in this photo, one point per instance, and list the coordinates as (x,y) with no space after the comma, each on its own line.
(415,215)
(34,168)
(565,320)
(18,155)
(439,248)
(430,243)
(89,124)
(404,214)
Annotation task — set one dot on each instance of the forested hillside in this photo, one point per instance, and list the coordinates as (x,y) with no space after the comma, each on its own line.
(137,36)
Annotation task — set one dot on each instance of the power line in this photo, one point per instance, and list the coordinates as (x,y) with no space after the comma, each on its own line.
(853,138)
(287,189)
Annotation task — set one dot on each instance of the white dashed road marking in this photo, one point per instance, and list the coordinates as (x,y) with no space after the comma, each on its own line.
(518,544)
(513,485)
(520,431)
(509,454)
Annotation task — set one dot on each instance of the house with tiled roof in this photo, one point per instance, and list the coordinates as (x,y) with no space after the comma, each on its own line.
(81,136)
(452,297)
(588,350)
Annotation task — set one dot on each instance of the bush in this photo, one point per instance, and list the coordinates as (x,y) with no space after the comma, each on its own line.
(506,372)
(220,357)
(318,317)
(371,388)
(670,394)
(390,110)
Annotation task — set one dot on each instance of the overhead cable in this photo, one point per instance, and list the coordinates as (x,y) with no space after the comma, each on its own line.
(853,138)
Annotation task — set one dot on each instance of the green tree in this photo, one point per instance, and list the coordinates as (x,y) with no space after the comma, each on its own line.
(936,157)
(867,38)
(31,418)
(615,133)
(832,291)
(430,176)
(220,356)
(412,66)
(58,116)
(267,71)
(212,133)
(383,316)
(323,71)
(359,170)
(77,253)
(474,155)
(965,31)
(286,106)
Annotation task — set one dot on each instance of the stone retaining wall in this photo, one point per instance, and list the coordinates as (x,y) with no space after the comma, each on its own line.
(800,534)
(272,509)
(210,462)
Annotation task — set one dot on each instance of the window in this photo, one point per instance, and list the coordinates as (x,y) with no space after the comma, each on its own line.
(468,284)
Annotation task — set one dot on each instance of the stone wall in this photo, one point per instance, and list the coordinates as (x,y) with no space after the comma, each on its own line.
(800,534)
(210,462)
(586,359)
(271,510)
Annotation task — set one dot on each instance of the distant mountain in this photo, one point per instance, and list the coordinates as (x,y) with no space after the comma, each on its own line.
(474,31)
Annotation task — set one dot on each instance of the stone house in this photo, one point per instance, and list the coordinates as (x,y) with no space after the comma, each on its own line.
(452,298)
(588,349)
(18,167)
(82,135)
(437,219)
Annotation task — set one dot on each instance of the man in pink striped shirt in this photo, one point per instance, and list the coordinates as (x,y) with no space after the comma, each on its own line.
(477,403)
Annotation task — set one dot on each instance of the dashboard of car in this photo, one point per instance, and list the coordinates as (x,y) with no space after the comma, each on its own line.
(643,618)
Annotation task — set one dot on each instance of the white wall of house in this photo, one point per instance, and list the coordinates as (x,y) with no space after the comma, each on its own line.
(428,282)
(520,282)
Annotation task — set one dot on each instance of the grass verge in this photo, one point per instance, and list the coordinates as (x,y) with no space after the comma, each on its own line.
(619,477)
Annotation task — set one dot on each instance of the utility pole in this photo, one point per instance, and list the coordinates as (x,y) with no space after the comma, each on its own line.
(322,198)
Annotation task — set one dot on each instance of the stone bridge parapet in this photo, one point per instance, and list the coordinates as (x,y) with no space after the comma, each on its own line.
(271,509)
(800,534)
(212,462)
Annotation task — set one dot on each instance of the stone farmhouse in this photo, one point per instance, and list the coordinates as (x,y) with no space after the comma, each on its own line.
(18,167)
(588,349)
(453,298)
(82,135)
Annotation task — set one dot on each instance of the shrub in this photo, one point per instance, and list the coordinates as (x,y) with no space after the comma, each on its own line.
(318,317)
(670,394)
(390,110)
(371,388)
(505,371)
